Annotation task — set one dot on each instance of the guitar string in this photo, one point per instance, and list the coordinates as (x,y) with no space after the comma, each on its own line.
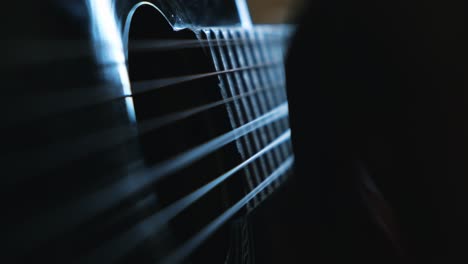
(150,85)
(57,154)
(278,72)
(151,225)
(52,103)
(251,106)
(271,99)
(100,143)
(258,103)
(159,122)
(243,110)
(276,128)
(276,124)
(177,44)
(234,113)
(281,72)
(183,251)
(43,52)
(191,77)
(89,205)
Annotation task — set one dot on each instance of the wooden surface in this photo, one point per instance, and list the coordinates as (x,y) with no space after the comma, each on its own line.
(273,11)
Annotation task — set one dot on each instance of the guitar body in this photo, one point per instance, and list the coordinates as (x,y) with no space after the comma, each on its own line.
(142,132)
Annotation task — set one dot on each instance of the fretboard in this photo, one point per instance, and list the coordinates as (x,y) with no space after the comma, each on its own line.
(258,53)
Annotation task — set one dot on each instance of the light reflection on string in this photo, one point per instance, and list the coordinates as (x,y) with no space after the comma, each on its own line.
(39,52)
(55,155)
(190,245)
(153,224)
(44,105)
(88,206)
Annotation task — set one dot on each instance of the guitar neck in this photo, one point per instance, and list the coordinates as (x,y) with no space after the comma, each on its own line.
(252,60)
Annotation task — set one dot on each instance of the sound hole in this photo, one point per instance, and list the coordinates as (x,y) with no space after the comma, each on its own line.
(150,65)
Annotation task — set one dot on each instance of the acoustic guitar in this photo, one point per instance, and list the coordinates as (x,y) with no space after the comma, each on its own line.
(141,132)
